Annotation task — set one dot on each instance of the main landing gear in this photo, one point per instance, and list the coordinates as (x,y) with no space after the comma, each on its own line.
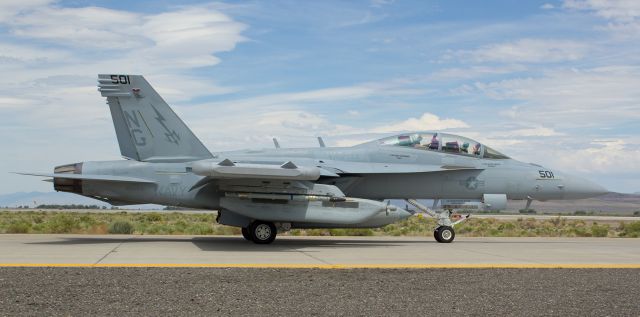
(444,233)
(260,232)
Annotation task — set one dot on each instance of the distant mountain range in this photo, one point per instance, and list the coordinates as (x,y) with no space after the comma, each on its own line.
(33,199)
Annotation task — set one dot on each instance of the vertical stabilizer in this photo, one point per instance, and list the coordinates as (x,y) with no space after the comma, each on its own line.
(146,127)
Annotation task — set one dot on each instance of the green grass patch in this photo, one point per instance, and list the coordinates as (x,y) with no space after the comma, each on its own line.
(121,227)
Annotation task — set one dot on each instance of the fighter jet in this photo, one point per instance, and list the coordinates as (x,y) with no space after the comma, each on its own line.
(266,191)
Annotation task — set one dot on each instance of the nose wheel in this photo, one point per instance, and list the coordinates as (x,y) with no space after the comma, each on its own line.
(444,233)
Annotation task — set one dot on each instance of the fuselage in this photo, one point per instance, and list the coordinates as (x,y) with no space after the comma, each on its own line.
(468,177)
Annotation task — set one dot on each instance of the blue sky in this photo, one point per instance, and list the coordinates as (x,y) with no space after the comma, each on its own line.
(551,82)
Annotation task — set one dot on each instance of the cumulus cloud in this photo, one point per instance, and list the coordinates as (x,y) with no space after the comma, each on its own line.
(94,39)
(427,121)
(256,128)
(615,156)
(53,53)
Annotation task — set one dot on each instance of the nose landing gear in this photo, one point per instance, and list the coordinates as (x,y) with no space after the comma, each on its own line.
(444,233)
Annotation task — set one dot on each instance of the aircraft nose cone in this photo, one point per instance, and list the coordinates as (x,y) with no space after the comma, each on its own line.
(578,188)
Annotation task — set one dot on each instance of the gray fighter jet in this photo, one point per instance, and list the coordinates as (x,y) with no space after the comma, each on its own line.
(265,191)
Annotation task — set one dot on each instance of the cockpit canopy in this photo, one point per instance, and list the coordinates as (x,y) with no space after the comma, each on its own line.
(443,142)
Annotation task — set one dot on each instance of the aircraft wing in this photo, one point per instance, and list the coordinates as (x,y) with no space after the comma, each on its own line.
(227,169)
(344,167)
(105,178)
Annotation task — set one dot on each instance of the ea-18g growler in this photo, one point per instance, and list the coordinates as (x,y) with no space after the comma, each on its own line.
(264,191)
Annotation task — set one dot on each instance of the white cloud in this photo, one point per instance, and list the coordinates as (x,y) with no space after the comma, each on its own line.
(465,73)
(426,122)
(317,96)
(343,142)
(547,6)
(49,103)
(161,46)
(380,3)
(618,10)
(570,97)
(534,131)
(254,129)
(11,8)
(12,53)
(151,43)
(15,103)
(623,15)
(187,38)
(609,157)
(86,27)
(524,51)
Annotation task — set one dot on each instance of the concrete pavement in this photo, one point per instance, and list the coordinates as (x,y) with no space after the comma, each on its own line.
(316,252)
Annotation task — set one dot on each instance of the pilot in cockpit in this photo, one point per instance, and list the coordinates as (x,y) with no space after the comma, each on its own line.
(476,149)
(465,147)
(435,144)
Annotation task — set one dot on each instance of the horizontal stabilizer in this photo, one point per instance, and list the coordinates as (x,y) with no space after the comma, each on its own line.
(105,178)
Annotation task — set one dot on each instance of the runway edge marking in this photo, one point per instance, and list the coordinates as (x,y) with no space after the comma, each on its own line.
(329,266)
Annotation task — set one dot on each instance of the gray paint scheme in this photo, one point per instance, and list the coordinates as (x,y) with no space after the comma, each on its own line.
(168,165)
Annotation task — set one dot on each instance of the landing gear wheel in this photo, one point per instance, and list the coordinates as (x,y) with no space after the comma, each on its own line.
(435,234)
(262,232)
(245,234)
(444,234)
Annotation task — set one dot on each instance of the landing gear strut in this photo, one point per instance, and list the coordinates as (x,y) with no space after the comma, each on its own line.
(444,233)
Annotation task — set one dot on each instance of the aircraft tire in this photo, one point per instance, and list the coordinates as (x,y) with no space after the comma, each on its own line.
(245,234)
(445,234)
(435,234)
(262,232)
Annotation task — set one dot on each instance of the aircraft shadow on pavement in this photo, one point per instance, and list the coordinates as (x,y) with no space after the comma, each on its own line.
(234,243)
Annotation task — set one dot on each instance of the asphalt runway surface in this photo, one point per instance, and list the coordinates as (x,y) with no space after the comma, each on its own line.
(195,275)
(316,292)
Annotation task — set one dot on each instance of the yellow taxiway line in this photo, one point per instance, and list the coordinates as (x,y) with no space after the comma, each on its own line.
(331,266)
